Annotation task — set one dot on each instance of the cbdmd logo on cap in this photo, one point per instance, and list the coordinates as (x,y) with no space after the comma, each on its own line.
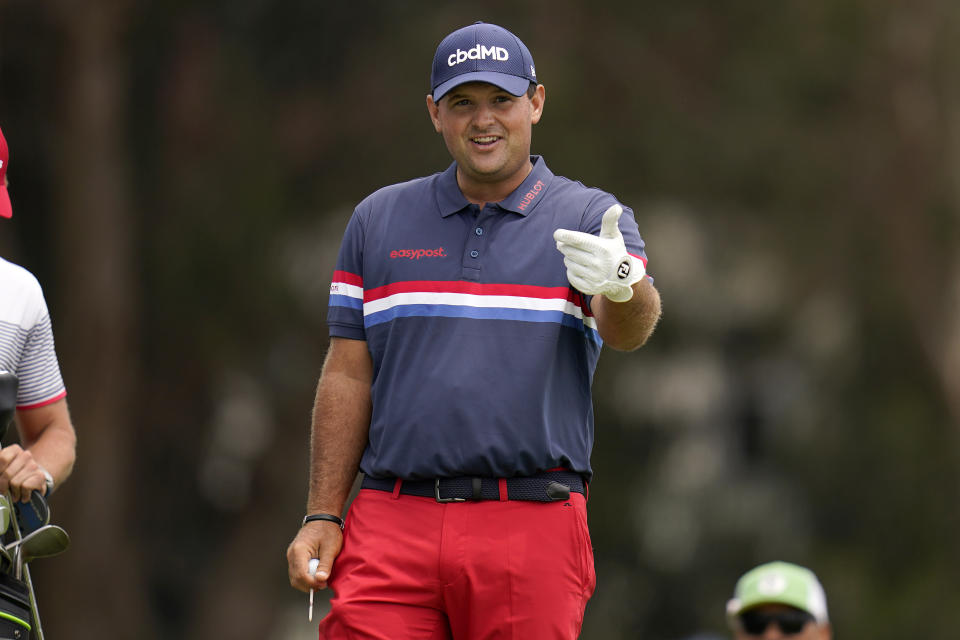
(479,52)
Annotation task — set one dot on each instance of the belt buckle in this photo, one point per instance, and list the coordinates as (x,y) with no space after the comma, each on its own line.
(436,493)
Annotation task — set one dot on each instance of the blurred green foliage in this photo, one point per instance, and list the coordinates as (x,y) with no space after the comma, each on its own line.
(793,168)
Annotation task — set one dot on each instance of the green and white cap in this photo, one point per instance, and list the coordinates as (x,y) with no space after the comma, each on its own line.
(779,583)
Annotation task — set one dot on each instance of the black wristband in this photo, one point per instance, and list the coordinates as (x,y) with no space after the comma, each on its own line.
(323,516)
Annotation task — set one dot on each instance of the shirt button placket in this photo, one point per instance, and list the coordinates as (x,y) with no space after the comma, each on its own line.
(477,241)
(474,248)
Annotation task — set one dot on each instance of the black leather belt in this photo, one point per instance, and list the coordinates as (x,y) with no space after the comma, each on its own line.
(548,486)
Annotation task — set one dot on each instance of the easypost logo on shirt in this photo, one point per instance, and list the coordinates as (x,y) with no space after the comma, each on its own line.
(416,254)
(478,52)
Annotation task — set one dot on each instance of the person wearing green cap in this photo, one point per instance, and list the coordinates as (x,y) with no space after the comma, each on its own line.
(779,600)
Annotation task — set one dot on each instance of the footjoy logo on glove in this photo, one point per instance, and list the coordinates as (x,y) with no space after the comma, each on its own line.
(416,254)
(623,270)
(479,52)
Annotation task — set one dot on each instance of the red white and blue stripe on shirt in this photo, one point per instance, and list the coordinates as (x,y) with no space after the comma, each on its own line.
(457,299)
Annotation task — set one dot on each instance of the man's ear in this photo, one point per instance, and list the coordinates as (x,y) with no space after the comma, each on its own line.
(536,102)
(434,110)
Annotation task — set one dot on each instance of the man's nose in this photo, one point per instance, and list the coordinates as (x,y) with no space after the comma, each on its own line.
(772,632)
(483,116)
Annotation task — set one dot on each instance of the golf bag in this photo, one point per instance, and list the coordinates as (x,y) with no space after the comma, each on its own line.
(14,596)
(14,609)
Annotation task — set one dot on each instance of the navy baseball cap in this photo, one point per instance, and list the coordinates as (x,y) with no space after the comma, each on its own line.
(5,209)
(482,52)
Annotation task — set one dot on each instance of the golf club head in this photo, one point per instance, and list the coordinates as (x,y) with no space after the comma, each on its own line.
(34,514)
(8,400)
(48,540)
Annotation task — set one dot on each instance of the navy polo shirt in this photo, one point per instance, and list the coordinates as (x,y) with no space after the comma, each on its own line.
(483,353)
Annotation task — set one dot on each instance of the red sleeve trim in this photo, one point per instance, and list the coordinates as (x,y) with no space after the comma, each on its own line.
(59,396)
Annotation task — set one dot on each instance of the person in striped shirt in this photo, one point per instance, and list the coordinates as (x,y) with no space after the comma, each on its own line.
(467,313)
(44,456)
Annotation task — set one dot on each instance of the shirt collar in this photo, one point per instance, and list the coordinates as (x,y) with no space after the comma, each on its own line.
(449,197)
(528,195)
(523,200)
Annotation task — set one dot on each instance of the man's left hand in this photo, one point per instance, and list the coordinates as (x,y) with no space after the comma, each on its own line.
(600,265)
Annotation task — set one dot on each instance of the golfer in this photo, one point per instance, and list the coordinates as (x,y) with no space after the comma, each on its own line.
(467,314)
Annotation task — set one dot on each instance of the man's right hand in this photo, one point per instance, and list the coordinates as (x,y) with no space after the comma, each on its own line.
(318,539)
(600,265)
(20,473)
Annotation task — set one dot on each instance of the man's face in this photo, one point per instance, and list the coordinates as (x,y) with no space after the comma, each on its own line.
(777,622)
(487,130)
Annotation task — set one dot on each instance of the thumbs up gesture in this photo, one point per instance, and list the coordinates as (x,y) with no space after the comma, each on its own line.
(600,265)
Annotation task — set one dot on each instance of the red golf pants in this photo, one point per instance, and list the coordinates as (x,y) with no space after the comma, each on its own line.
(415,569)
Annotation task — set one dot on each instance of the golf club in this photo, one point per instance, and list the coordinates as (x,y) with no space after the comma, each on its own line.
(48,540)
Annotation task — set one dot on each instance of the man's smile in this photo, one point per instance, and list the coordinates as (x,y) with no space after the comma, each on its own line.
(484,140)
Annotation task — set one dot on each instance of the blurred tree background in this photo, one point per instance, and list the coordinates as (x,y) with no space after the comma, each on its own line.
(181,173)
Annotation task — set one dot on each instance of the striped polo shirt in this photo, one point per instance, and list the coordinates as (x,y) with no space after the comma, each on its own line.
(483,354)
(26,338)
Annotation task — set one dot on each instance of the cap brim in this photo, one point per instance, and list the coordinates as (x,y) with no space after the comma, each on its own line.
(736,606)
(514,85)
(6,211)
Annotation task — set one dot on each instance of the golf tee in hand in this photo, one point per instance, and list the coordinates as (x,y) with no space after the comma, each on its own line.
(600,265)
(312,570)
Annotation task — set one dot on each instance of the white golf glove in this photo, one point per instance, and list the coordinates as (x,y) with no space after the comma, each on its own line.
(600,265)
